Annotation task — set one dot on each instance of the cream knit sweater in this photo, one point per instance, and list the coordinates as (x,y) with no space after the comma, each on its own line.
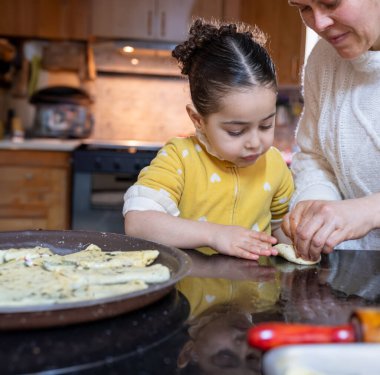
(339,132)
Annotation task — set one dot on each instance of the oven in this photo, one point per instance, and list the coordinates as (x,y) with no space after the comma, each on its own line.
(102,172)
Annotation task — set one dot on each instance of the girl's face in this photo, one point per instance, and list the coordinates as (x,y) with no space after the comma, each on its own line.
(221,347)
(352,27)
(243,129)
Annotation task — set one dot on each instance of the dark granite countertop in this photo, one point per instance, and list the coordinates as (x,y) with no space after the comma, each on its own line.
(200,327)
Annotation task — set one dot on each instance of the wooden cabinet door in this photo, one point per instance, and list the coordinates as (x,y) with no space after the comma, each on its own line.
(63,19)
(286,35)
(51,19)
(208,9)
(17,18)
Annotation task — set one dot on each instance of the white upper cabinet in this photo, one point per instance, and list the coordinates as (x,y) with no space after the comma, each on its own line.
(163,20)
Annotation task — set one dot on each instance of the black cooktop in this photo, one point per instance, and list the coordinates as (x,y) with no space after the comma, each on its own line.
(103,158)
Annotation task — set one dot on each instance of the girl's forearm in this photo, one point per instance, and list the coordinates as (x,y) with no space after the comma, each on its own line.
(169,230)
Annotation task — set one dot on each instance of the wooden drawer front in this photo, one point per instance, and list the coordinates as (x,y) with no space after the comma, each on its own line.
(23,224)
(33,198)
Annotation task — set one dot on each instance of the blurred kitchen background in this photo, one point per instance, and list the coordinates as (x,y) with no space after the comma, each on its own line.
(99,74)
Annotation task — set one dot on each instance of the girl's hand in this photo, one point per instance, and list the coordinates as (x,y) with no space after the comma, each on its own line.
(319,226)
(242,243)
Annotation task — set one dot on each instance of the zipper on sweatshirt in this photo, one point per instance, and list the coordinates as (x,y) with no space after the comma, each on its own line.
(235,192)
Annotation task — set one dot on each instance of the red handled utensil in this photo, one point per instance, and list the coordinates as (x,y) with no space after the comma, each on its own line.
(267,336)
(364,326)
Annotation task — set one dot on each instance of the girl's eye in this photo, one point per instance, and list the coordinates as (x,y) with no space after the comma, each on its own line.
(234,134)
(266,127)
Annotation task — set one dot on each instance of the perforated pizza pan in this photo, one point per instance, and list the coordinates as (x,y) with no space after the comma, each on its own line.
(66,242)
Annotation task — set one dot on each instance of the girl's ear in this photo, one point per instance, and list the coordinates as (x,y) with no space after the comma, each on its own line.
(186,355)
(195,117)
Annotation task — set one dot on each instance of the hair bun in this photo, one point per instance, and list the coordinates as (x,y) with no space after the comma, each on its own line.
(202,33)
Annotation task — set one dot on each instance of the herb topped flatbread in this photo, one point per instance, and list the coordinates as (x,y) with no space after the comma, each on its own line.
(38,276)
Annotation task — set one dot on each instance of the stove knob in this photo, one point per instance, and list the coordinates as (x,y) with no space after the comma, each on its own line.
(98,163)
(117,165)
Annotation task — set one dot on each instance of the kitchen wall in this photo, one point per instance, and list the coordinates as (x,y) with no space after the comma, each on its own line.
(134,106)
(141,107)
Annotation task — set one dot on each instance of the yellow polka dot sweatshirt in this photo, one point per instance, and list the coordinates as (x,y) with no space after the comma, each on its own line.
(185,180)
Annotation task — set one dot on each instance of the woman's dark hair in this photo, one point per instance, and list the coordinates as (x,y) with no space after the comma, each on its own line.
(217,57)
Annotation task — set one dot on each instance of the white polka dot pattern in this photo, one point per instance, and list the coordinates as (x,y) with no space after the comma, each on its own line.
(255,227)
(215,178)
(209,298)
(267,187)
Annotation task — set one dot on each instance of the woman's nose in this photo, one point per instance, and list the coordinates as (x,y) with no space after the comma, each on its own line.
(322,20)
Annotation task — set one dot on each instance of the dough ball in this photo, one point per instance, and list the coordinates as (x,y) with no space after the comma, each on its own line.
(288,252)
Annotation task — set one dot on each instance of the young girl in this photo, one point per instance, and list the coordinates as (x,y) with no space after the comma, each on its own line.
(226,188)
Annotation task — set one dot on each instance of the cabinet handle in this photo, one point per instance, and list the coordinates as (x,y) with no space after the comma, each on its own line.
(149,22)
(163,23)
(29,176)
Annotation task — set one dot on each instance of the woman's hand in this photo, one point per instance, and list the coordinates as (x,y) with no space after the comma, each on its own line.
(318,226)
(242,243)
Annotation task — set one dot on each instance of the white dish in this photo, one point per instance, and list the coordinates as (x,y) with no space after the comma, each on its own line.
(323,359)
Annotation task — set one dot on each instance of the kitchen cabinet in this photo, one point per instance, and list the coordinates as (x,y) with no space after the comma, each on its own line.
(34,190)
(157,20)
(50,19)
(163,20)
(168,20)
(286,35)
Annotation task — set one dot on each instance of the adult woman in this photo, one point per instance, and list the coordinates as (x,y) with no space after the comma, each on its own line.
(336,171)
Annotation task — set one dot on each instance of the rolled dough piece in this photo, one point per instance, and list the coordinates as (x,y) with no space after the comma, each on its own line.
(288,252)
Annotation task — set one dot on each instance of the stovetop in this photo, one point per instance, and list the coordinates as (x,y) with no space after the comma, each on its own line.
(113,157)
(98,144)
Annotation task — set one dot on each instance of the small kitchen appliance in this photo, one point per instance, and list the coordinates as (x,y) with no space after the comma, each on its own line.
(62,112)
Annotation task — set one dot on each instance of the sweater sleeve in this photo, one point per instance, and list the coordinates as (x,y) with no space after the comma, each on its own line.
(280,201)
(313,175)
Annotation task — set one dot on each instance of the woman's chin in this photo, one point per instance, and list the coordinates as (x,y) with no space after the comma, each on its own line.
(349,53)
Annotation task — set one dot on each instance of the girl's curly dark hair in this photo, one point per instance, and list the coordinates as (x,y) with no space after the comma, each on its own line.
(218,56)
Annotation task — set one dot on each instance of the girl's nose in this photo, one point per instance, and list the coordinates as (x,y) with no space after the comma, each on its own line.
(253,142)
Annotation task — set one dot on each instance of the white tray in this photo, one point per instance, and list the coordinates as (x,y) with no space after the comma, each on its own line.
(323,359)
